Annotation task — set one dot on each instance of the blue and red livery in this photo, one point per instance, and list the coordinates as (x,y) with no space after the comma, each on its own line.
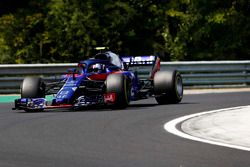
(105,79)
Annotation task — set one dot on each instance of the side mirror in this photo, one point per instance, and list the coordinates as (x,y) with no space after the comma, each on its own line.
(126,66)
(73,71)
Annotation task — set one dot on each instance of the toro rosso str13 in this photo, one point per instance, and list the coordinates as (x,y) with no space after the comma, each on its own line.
(105,79)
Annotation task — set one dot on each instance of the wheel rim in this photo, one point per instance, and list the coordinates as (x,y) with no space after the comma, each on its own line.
(179,86)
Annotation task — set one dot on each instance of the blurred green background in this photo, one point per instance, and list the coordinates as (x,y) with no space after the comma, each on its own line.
(52,31)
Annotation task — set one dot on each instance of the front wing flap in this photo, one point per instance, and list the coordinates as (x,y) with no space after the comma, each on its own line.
(36,104)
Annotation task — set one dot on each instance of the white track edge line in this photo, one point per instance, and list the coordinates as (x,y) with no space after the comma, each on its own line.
(171,128)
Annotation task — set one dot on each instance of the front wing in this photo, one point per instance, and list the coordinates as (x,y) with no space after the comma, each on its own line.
(82,101)
(36,104)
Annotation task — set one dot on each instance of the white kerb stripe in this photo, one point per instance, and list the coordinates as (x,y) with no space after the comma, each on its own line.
(171,127)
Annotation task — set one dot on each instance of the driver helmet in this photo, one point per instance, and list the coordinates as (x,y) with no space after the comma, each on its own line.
(98,67)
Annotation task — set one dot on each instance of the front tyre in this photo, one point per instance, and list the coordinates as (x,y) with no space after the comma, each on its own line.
(118,84)
(168,87)
(32,87)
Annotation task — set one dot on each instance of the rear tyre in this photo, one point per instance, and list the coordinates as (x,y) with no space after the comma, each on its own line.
(118,84)
(168,87)
(32,87)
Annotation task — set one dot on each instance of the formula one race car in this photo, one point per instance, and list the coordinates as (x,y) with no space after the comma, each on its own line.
(106,79)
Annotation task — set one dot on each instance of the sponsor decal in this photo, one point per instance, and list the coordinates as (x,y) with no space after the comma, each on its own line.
(109,97)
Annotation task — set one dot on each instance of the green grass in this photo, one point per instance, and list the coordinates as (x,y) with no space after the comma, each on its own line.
(11,98)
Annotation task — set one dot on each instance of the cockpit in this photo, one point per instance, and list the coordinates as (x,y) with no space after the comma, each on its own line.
(97,68)
(111,57)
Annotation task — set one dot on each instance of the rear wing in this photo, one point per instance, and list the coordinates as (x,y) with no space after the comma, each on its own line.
(138,61)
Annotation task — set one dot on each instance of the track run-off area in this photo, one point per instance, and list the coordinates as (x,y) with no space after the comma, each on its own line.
(131,137)
(227,127)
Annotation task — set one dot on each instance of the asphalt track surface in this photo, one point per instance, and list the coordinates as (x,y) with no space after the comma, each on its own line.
(134,137)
